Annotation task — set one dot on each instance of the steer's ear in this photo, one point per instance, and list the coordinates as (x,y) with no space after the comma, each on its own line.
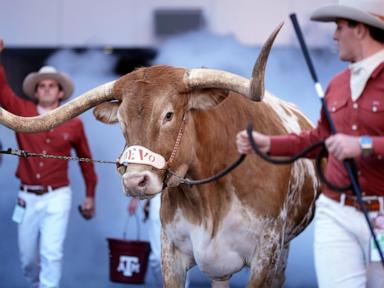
(202,99)
(107,112)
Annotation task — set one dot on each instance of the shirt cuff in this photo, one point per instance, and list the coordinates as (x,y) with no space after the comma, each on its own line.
(90,192)
(378,145)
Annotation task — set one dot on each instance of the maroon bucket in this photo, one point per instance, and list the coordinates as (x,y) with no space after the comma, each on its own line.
(128,259)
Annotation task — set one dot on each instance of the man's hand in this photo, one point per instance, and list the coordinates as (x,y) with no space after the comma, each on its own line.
(244,145)
(132,205)
(343,146)
(87,209)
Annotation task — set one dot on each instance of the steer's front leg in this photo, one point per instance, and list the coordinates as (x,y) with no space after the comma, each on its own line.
(174,264)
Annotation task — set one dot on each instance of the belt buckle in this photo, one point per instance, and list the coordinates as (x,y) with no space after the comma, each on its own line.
(41,191)
(36,189)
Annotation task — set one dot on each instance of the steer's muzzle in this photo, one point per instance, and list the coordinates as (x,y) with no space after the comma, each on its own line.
(135,184)
(143,184)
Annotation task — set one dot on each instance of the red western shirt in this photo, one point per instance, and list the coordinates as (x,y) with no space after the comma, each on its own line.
(365,116)
(57,141)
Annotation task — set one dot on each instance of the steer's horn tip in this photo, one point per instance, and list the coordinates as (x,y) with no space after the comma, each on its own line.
(280,26)
(256,88)
(276,30)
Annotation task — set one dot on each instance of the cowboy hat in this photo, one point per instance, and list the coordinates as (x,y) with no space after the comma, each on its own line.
(370,12)
(47,72)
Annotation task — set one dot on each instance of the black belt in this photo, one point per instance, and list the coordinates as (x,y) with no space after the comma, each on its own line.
(39,190)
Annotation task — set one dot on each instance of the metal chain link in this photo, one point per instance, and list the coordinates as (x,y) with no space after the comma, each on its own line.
(23,153)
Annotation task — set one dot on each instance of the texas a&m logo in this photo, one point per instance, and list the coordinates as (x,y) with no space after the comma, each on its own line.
(128,265)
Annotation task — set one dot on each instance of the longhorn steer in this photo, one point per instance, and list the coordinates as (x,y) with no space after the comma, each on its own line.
(190,118)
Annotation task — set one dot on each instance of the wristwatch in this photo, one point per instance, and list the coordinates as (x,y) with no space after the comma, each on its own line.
(366,145)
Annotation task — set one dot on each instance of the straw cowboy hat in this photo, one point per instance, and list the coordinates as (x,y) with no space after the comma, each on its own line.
(370,12)
(47,72)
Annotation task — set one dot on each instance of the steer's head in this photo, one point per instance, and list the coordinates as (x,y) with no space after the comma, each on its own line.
(153,108)
(153,114)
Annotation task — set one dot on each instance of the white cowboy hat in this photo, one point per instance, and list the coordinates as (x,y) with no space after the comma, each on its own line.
(370,12)
(47,72)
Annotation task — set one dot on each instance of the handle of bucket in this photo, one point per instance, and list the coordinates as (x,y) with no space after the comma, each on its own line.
(137,226)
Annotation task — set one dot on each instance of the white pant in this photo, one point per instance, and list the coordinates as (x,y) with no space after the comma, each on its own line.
(342,247)
(41,236)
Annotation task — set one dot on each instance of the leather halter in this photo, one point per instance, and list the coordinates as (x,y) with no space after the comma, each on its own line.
(187,181)
(177,143)
(169,173)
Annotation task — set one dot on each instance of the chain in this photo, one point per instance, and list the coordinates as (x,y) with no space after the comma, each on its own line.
(25,154)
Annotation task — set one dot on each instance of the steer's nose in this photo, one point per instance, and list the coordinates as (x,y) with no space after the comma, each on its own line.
(135,183)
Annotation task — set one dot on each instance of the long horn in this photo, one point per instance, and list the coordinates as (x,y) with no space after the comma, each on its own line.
(61,114)
(254,88)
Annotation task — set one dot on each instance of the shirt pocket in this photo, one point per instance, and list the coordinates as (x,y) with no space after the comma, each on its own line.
(338,110)
(371,116)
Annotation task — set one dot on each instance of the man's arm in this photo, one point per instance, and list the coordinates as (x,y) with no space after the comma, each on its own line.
(285,145)
(346,146)
(8,99)
(82,150)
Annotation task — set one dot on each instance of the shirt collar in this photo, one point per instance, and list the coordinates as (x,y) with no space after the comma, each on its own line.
(368,64)
(361,71)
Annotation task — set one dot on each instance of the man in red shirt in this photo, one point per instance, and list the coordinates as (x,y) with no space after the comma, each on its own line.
(344,256)
(44,199)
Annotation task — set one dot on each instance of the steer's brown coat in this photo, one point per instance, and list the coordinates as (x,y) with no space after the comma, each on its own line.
(213,119)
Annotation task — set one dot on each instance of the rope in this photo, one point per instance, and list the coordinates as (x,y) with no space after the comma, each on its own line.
(25,154)
(301,154)
(212,178)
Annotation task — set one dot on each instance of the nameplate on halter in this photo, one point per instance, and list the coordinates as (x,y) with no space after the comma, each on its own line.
(140,155)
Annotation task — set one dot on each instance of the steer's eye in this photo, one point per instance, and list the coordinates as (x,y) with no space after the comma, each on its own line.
(168,116)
